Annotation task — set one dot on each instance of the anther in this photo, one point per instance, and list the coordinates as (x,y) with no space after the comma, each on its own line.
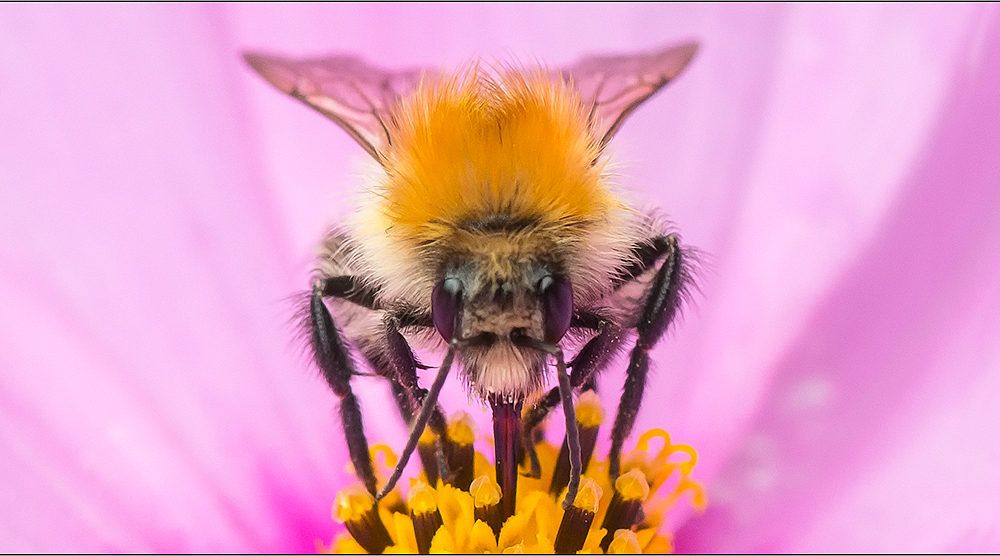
(462,436)
(625,510)
(589,416)
(356,509)
(486,497)
(425,516)
(427,450)
(577,519)
(625,542)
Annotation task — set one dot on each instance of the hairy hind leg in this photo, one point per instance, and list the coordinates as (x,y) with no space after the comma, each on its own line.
(659,308)
(335,364)
(387,352)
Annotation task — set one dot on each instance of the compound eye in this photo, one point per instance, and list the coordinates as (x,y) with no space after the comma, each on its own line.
(446,300)
(557,302)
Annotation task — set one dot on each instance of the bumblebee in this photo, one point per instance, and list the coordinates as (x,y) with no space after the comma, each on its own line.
(490,232)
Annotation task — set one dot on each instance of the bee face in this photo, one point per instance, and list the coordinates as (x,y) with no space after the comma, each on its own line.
(502,290)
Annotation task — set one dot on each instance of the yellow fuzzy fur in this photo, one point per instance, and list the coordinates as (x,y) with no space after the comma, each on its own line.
(472,144)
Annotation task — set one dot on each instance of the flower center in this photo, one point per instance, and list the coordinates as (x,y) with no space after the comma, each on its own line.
(464,516)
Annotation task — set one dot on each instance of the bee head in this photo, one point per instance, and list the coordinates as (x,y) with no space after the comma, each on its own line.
(490,310)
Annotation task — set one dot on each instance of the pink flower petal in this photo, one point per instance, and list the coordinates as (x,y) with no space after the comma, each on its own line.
(879,427)
(151,398)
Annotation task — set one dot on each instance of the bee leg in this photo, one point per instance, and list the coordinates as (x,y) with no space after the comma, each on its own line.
(426,409)
(592,358)
(572,431)
(390,356)
(665,295)
(394,359)
(538,412)
(335,364)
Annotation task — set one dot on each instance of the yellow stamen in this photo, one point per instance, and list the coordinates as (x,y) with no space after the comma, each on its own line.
(422,499)
(427,437)
(460,451)
(624,516)
(485,491)
(387,453)
(625,509)
(425,515)
(589,415)
(486,496)
(356,509)
(352,503)
(577,519)
(589,496)
(461,429)
(589,411)
(632,486)
(427,449)
(625,542)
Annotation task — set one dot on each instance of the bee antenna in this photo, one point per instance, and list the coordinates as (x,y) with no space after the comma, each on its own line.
(426,409)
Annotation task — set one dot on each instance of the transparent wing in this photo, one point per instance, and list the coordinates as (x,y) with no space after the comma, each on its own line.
(360,97)
(614,86)
(355,95)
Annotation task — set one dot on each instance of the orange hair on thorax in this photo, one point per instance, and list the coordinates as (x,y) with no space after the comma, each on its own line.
(472,145)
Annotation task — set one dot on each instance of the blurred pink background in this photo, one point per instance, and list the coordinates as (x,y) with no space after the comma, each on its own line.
(159,204)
